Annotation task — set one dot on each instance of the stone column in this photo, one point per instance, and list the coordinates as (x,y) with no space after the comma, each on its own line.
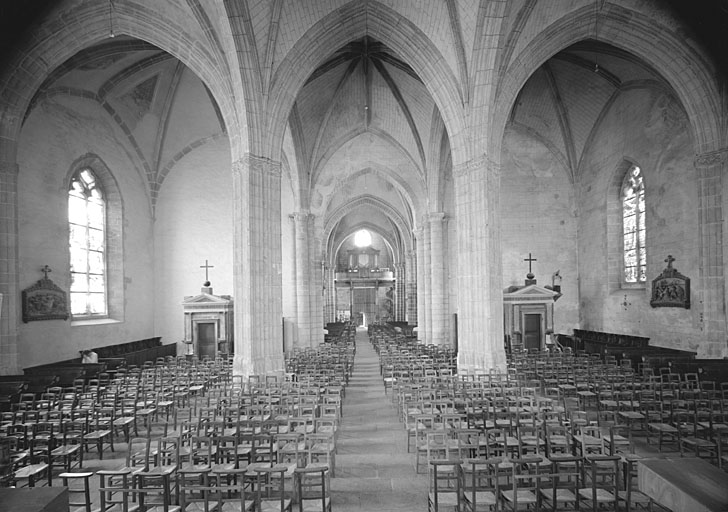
(411,288)
(438,296)
(9,287)
(318,274)
(302,221)
(329,296)
(421,286)
(257,266)
(711,232)
(427,263)
(400,291)
(480,301)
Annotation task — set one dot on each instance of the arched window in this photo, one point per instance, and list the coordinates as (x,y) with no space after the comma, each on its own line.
(633,227)
(87,241)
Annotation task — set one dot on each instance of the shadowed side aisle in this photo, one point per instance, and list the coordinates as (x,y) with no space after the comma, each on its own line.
(373,469)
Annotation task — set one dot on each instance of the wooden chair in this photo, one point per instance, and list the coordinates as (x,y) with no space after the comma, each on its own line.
(100,430)
(68,449)
(313,489)
(561,488)
(78,485)
(163,475)
(445,485)
(525,484)
(321,449)
(480,484)
(600,488)
(270,489)
(229,491)
(630,497)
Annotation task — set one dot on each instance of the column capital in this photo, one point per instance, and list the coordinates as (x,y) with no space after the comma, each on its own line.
(711,158)
(302,216)
(437,217)
(258,164)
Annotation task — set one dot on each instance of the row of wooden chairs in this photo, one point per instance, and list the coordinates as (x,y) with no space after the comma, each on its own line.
(475,484)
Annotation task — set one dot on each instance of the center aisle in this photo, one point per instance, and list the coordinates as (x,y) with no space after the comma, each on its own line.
(374,472)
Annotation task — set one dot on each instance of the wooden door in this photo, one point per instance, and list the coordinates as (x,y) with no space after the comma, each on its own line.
(206,340)
(532,331)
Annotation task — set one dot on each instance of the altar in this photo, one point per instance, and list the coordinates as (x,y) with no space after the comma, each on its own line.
(528,312)
(208,320)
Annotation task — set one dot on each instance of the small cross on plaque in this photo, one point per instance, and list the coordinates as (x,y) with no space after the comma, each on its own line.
(46,269)
(207,267)
(669,260)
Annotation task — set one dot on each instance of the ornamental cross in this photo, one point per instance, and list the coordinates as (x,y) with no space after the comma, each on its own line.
(207,267)
(530,260)
(46,270)
(669,260)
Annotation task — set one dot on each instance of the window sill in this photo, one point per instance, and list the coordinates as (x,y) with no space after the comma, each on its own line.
(93,321)
(633,286)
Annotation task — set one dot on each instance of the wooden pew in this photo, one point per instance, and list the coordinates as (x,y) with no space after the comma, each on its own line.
(626,346)
(62,374)
(10,388)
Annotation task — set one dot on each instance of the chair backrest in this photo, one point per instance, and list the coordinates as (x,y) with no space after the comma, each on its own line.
(445,476)
(139,454)
(114,488)
(312,488)
(168,451)
(602,477)
(481,481)
(270,486)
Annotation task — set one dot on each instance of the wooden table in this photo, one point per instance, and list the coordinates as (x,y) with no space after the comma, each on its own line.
(689,484)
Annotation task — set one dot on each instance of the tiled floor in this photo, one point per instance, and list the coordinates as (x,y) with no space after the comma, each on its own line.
(374,472)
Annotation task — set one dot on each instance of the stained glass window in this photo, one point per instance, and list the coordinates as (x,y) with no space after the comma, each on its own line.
(87,242)
(633,227)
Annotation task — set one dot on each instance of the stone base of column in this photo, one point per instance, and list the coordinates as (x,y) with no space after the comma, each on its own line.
(267,365)
(474,361)
(264,365)
(242,366)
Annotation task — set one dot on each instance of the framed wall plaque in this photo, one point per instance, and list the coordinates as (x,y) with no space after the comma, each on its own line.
(44,301)
(670,289)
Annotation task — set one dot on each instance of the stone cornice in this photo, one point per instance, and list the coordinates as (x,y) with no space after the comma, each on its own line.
(711,158)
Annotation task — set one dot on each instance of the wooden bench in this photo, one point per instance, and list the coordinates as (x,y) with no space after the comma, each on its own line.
(626,346)
(10,391)
(135,353)
(715,370)
(63,374)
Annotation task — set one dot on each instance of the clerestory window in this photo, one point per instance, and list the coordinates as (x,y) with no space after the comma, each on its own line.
(633,227)
(87,242)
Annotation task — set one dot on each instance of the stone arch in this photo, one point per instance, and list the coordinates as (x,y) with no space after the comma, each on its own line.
(369,227)
(398,220)
(353,21)
(77,27)
(406,189)
(663,50)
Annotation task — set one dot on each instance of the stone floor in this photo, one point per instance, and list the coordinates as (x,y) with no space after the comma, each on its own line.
(374,472)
